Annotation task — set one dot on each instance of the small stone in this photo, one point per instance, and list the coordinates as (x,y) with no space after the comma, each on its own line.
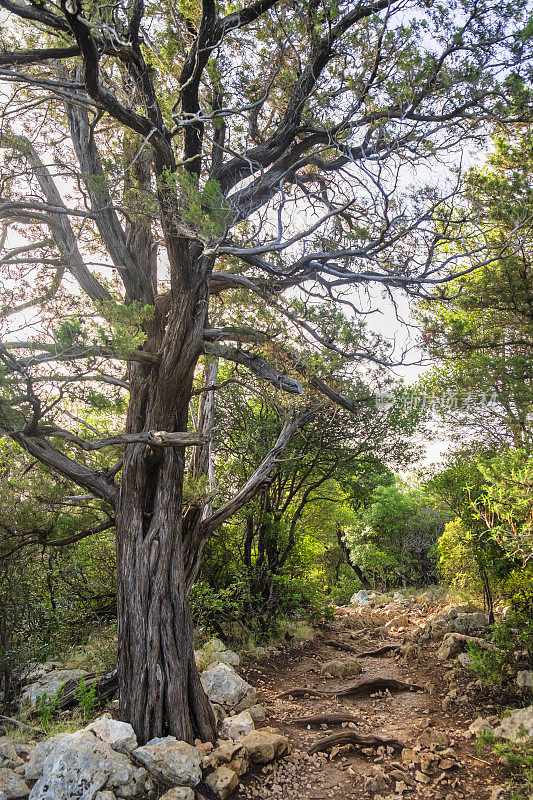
(524,678)
(421,778)
(432,737)
(105,795)
(223,781)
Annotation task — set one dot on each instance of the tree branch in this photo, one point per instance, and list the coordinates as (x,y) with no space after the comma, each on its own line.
(259,477)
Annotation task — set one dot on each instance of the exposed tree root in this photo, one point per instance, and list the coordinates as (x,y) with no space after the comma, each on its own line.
(342,646)
(375,685)
(385,648)
(379,651)
(352,737)
(325,719)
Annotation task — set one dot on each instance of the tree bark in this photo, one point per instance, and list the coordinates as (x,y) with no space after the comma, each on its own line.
(347,555)
(159,686)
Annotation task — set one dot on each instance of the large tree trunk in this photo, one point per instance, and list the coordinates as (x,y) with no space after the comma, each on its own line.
(159,687)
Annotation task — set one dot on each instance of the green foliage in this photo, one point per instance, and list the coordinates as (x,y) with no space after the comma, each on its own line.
(47,707)
(512,633)
(86,698)
(517,757)
(206,210)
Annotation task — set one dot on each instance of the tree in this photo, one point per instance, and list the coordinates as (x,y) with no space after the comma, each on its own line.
(480,333)
(191,151)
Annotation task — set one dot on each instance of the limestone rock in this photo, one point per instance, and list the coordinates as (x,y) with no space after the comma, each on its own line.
(78,765)
(35,766)
(49,684)
(525,678)
(229,657)
(223,686)
(105,795)
(170,760)
(465,661)
(518,725)
(360,598)
(118,735)
(432,737)
(257,713)
(479,725)
(12,784)
(265,745)
(219,712)
(226,752)
(223,781)
(8,753)
(450,647)
(179,793)
(239,726)
(342,668)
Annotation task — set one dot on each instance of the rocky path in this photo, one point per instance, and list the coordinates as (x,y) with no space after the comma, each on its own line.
(438,760)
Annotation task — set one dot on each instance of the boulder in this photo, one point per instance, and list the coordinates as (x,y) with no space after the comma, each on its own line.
(470,624)
(118,735)
(432,737)
(12,785)
(170,760)
(8,753)
(228,657)
(238,726)
(341,668)
(179,793)
(223,686)
(360,598)
(450,647)
(265,745)
(35,766)
(78,765)
(49,684)
(517,726)
(223,781)
(524,678)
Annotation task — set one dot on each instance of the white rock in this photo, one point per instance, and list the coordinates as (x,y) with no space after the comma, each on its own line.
(518,725)
(216,644)
(179,793)
(223,686)
(41,751)
(525,678)
(238,726)
(78,765)
(12,784)
(479,725)
(228,657)
(360,598)
(49,684)
(118,735)
(170,760)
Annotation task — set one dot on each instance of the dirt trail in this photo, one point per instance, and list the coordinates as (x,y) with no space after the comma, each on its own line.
(359,772)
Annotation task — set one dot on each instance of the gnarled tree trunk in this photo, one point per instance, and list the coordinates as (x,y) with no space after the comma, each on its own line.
(159,687)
